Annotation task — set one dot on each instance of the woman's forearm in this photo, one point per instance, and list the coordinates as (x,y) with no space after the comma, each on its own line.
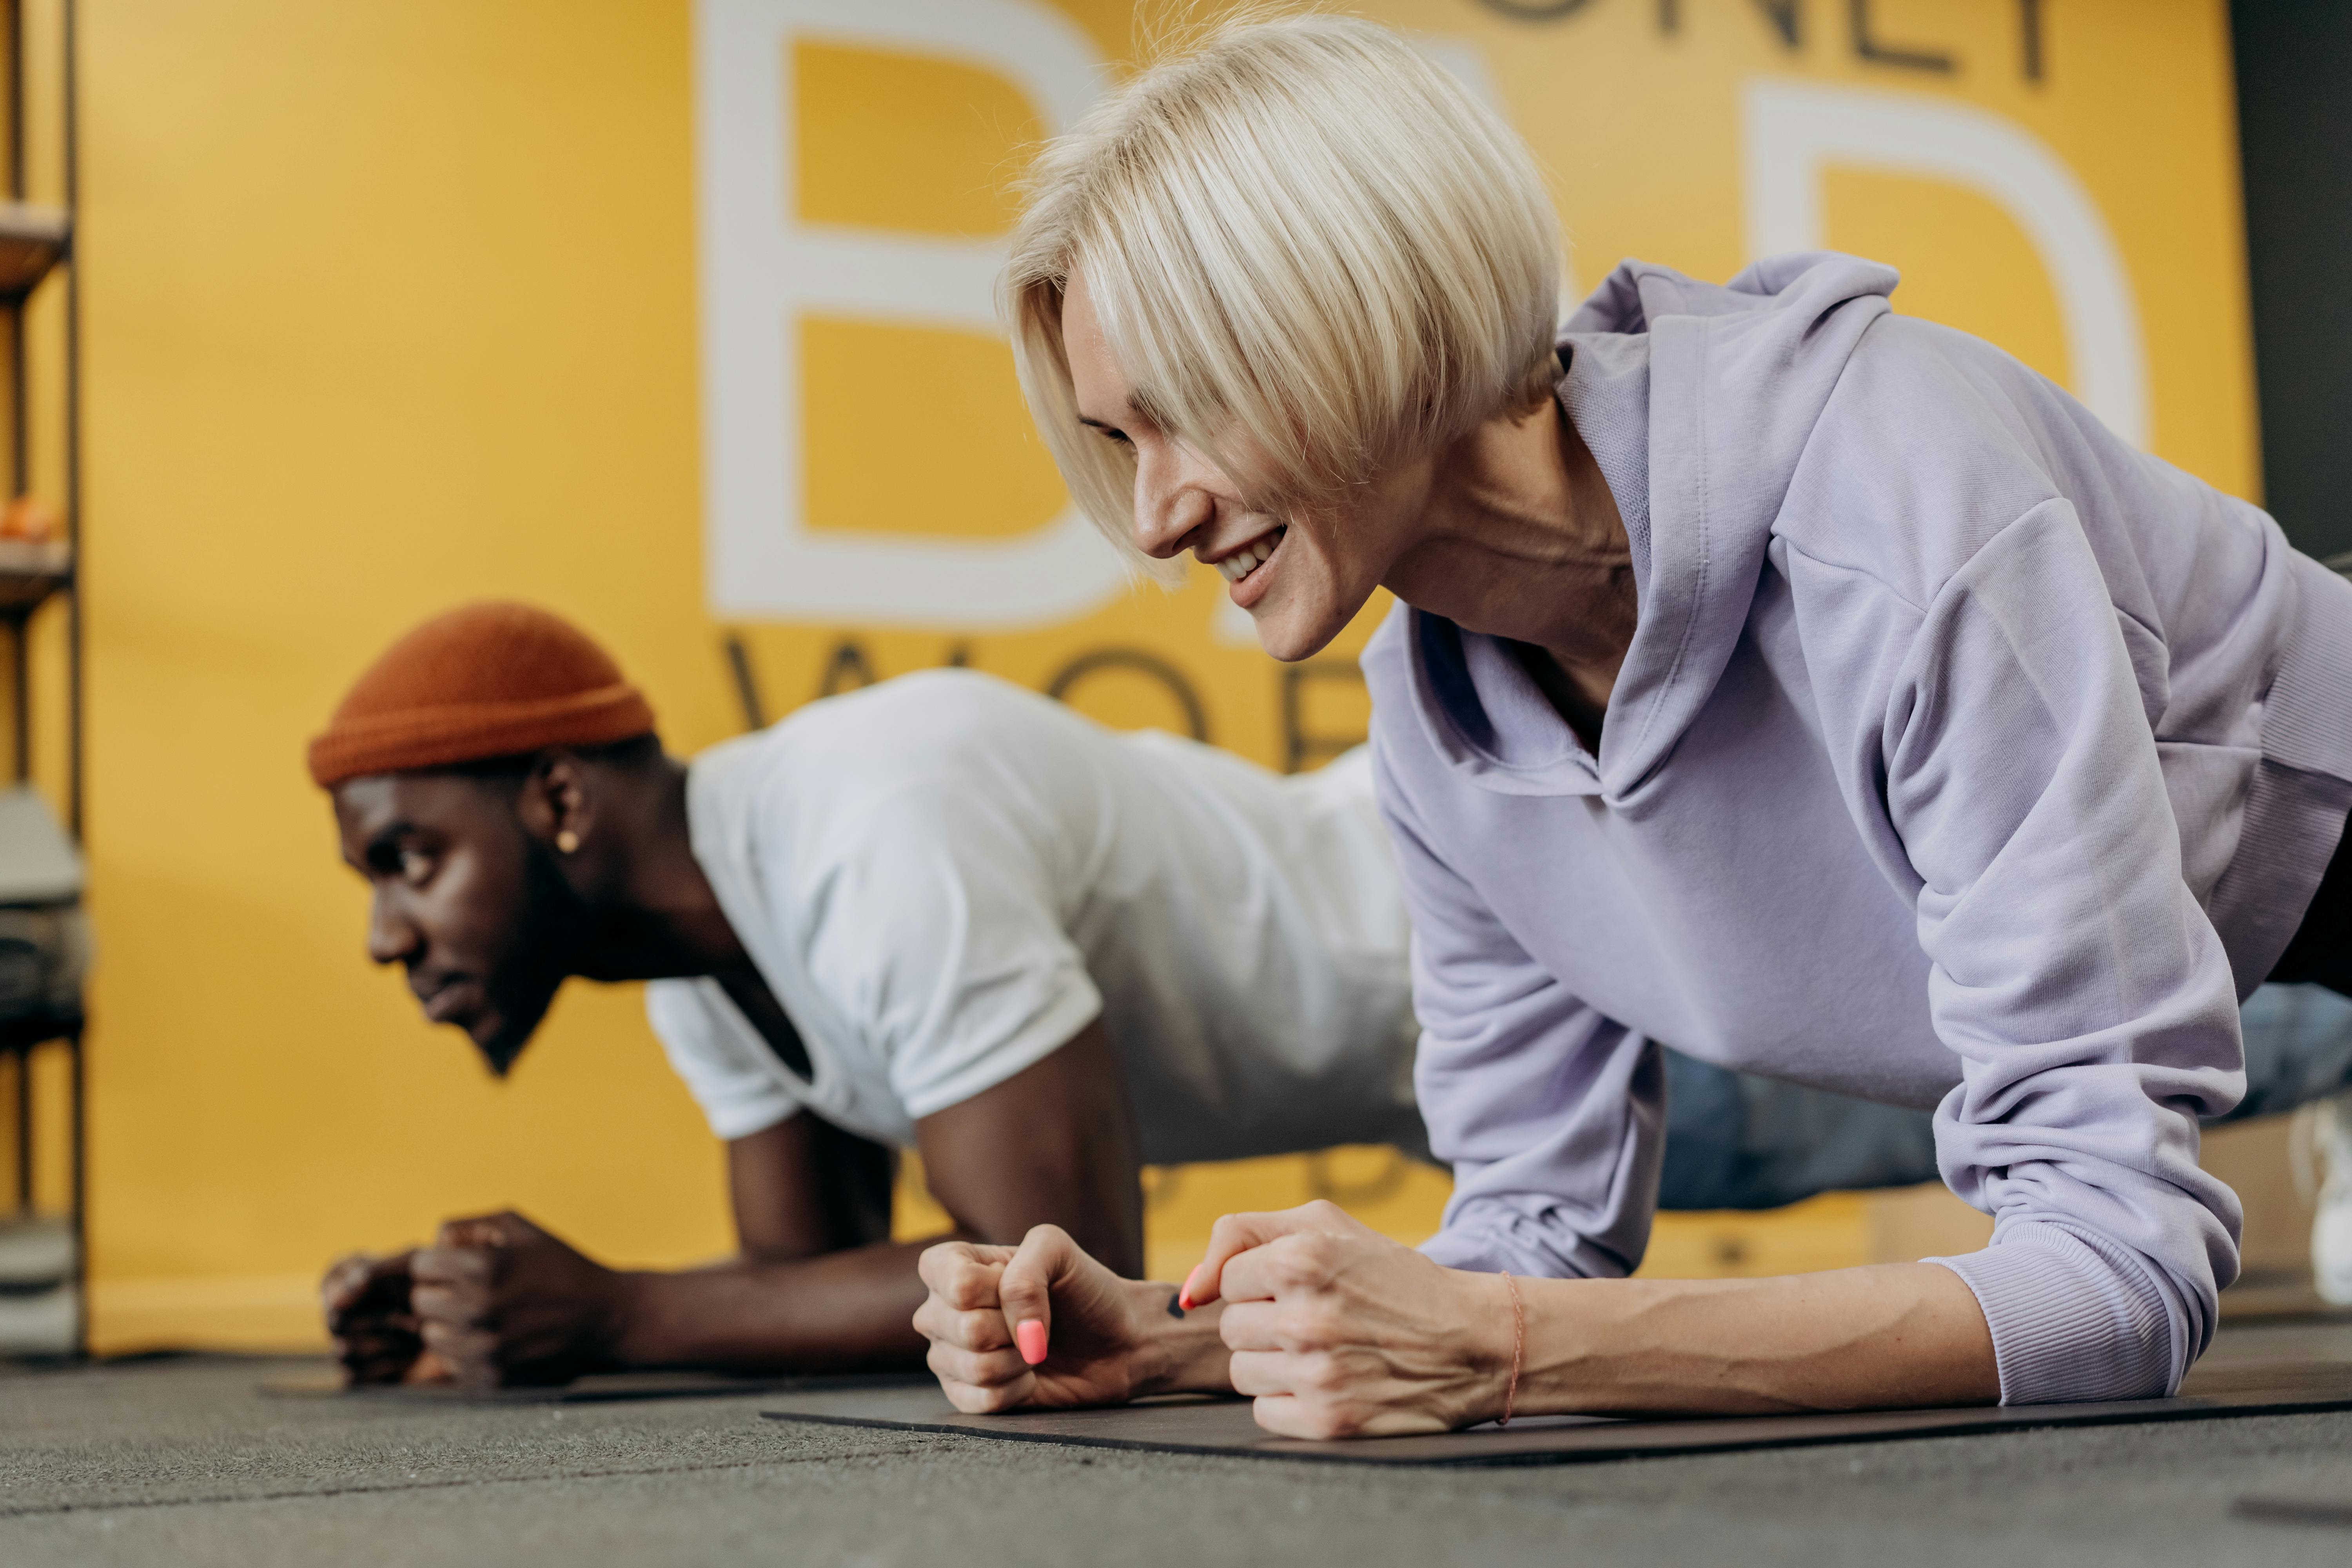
(1888,1335)
(1178,1352)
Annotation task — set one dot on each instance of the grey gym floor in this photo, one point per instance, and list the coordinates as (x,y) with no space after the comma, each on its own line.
(181,1461)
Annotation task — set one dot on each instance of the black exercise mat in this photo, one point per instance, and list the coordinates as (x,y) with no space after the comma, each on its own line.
(1193,1425)
(601,1388)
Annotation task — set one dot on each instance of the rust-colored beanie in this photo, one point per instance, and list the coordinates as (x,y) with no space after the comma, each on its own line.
(485,680)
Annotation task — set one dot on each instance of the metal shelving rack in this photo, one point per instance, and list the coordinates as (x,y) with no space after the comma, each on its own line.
(37,260)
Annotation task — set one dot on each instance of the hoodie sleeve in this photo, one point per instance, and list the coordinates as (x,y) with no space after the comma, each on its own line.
(1551,1115)
(1998,736)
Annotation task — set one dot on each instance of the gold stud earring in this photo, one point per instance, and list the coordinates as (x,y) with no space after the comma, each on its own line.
(566,841)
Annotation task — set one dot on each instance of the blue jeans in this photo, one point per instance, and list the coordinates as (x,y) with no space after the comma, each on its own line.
(1734,1141)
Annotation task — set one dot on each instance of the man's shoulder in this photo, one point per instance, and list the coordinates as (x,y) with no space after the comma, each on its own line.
(942,729)
(897,767)
(912,719)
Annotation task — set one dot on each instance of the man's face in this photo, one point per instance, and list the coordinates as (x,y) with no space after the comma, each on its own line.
(468,904)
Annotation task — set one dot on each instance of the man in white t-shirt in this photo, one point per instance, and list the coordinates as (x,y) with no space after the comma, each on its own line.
(943,913)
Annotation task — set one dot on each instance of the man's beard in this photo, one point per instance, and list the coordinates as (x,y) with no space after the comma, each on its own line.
(551,924)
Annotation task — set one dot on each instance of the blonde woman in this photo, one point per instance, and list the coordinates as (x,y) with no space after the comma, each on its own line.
(1818,689)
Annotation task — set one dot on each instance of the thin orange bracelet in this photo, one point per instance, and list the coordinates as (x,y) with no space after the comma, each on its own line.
(1518,1346)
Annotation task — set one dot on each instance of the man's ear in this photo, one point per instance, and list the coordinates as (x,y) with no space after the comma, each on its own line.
(556,805)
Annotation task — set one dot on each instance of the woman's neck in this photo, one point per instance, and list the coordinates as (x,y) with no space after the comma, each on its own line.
(1522,540)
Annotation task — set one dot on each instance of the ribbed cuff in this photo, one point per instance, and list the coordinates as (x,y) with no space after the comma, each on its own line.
(2072,1318)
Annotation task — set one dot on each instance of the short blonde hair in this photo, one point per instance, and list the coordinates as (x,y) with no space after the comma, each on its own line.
(1312,253)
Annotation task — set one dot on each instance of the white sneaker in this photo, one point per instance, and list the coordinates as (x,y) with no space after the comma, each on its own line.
(2331,1228)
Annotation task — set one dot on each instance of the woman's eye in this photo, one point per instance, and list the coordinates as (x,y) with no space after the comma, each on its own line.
(1119,437)
(413,865)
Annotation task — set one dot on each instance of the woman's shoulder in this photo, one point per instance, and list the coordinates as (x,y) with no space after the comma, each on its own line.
(1932,443)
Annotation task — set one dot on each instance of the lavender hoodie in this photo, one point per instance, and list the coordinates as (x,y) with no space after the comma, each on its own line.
(1964,757)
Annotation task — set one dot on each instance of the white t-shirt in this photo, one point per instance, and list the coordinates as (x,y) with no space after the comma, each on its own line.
(945,876)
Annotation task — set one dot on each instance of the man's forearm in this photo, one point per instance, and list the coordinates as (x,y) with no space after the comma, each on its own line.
(828,1313)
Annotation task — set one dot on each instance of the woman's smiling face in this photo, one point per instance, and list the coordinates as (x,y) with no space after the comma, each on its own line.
(1301,575)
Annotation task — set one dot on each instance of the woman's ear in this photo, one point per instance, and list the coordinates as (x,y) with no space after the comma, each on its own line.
(1543,382)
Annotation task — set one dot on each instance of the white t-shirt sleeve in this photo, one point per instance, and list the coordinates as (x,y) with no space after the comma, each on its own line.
(942,939)
(739,1091)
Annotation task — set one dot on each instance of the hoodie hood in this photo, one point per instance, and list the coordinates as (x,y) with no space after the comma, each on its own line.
(1739,374)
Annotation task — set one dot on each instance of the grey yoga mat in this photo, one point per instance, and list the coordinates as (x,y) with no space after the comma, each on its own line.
(601,1388)
(2294,1371)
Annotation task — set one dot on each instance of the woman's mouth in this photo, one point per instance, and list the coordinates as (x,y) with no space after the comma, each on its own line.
(1243,563)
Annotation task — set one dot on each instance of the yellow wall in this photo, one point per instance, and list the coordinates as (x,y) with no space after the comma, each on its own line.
(395,303)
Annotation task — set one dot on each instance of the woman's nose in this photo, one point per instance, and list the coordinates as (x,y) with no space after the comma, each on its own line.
(1168,509)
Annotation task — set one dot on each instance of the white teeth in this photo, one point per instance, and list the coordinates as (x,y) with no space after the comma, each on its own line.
(1250,557)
